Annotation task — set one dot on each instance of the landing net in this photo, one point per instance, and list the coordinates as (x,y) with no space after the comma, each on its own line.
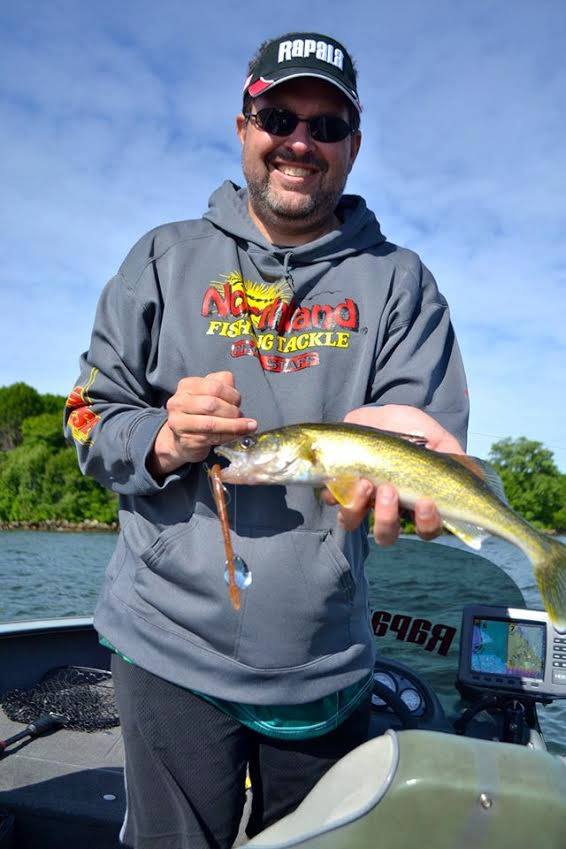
(81,696)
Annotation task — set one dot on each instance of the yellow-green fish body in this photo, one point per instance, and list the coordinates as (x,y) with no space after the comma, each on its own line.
(338,455)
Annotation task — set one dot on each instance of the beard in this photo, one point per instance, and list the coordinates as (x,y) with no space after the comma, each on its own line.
(308,209)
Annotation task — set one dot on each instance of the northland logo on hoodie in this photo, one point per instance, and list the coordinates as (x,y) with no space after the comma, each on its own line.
(266,323)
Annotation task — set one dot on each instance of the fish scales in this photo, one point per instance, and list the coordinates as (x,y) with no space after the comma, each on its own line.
(338,455)
(415,472)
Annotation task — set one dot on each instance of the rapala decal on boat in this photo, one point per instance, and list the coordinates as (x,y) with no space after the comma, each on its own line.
(82,419)
(270,326)
(432,637)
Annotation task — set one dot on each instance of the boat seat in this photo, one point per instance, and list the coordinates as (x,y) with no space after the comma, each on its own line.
(429,788)
(345,793)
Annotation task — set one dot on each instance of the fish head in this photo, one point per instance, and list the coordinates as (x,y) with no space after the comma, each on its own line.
(274,457)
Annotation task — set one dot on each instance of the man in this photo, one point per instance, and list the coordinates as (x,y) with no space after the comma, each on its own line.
(284,303)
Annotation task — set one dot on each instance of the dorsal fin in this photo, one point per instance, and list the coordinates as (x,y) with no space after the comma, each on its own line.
(493,480)
(415,438)
(471,463)
(484,471)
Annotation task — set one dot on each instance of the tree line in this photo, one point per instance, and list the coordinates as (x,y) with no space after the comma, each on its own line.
(40,480)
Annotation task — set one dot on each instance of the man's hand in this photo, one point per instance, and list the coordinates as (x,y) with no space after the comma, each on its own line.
(204,411)
(384,499)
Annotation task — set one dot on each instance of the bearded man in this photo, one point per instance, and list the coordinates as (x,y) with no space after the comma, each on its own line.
(284,303)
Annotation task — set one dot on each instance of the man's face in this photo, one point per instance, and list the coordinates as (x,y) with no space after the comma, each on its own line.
(295,182)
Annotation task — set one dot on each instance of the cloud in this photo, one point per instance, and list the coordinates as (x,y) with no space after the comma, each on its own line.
(116,118)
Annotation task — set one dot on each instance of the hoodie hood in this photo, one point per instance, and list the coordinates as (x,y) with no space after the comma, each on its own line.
(359,230)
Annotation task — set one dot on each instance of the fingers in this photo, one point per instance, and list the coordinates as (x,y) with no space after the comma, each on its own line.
(386,511)
(203,412)
(223,377)
(351,516)
(386,525)
(202,405)
(218,384)
(427,519)
(210,430)
(208,407)
(386,506)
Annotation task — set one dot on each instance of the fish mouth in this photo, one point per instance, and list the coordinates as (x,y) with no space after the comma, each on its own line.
(239,470)
(242,470)
(232,474)
(226,451)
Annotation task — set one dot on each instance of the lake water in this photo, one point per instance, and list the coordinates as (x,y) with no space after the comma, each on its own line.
(47,574)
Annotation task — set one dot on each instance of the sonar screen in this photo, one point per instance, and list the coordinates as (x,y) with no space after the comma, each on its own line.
(508,648)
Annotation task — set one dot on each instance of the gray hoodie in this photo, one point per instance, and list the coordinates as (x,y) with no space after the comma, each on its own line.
(309,333)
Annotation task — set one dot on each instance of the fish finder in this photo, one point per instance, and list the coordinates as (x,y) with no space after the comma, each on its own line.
(512,651)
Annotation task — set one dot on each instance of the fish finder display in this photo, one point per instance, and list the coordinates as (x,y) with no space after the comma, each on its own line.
(502,647)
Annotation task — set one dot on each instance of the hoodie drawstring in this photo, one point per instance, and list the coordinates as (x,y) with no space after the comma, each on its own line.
(286,268)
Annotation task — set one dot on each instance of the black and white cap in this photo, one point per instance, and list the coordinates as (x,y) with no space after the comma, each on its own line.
(303,54)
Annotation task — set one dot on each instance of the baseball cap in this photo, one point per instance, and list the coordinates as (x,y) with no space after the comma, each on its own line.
(303,54)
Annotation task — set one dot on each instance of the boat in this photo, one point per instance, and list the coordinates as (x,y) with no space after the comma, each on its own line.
(456,758)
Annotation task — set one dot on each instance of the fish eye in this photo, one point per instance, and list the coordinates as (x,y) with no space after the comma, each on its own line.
(247,442)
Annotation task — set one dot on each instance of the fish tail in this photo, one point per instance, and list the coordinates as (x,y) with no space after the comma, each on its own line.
(549,564)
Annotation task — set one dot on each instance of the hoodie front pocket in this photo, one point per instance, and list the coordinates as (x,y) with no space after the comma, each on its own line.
(182,578)
(297,608)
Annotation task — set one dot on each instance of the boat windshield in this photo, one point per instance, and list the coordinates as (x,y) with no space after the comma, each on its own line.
(417,592)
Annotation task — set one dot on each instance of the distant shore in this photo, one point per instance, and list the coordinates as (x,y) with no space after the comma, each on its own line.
(92,525)
(61,526)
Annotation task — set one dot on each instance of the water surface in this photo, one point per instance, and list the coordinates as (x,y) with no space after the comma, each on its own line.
(50,574)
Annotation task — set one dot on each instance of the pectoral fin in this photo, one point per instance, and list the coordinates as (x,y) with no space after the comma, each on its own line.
(343,489)
(471,535)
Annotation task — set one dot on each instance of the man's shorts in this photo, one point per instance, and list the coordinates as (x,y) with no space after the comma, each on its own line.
(186,761)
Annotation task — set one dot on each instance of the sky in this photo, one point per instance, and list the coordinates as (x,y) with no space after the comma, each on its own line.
(117,117)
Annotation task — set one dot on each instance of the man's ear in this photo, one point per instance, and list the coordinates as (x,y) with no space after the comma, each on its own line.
(241,127)
(356,144)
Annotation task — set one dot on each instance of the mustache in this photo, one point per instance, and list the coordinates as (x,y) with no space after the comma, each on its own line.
(283,154)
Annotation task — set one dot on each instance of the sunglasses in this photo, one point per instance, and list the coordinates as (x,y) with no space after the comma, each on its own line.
(282,122)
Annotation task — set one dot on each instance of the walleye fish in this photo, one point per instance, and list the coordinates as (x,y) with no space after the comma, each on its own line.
(338,455)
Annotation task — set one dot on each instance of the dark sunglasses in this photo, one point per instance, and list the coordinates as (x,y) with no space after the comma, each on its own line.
(282,122)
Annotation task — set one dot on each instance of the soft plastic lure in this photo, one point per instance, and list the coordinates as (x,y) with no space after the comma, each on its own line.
(220,501)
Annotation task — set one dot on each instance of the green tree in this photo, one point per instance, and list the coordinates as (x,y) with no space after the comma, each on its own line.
(17,402)
(46,429)
(523,458)
(560,515)
(22,476)
(533,483)
(39,475)
(37,484)
(71,495)
(53,403)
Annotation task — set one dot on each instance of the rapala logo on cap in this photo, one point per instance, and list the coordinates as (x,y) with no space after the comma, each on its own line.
(303,48)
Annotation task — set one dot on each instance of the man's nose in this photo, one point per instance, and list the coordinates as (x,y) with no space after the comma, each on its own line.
(300,140)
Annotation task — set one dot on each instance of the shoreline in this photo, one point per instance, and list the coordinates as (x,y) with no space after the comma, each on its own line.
(93,525)
(61,526)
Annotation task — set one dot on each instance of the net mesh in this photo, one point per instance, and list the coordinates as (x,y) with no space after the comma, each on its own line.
(81,696)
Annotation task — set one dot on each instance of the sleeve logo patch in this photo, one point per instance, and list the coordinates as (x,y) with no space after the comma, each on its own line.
(82,418)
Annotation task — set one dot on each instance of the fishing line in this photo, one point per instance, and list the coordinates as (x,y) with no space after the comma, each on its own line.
(242,572)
